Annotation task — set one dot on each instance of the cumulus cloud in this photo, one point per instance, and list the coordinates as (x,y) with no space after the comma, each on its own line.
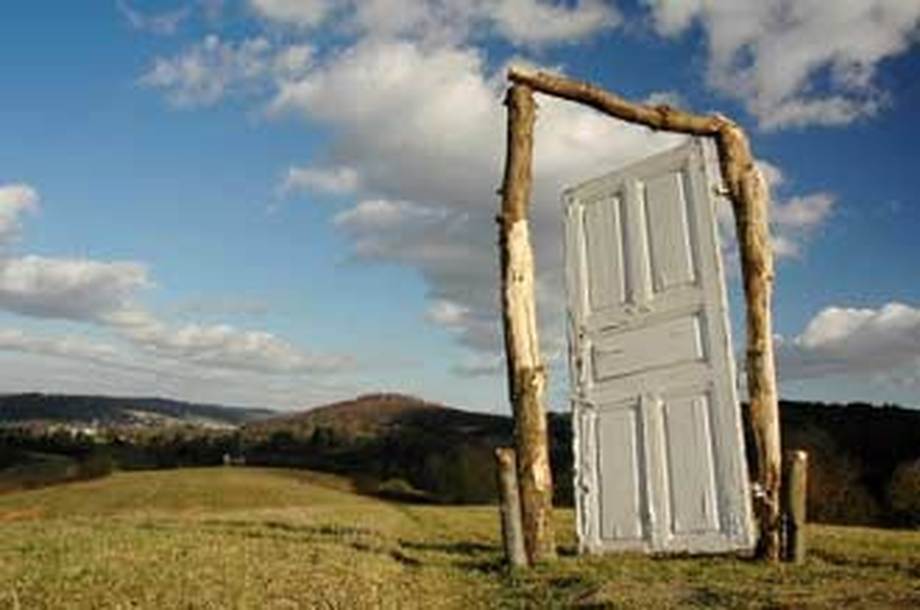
(794,220)
(301,13)
(340,180)
(106,295)
(66,346)
(70,289)
(855,341)
(223,346)
(772,54)
(15,199)
(80,365)
(521,22)
(427,166)
(435,165)
(536,22)
(206,72)
(446,313)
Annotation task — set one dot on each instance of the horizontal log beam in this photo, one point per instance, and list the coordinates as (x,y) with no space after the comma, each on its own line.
(659,117)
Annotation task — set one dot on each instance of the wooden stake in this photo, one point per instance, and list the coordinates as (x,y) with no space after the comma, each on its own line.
(795,489)
(749,195)
(510,507)
(526,374)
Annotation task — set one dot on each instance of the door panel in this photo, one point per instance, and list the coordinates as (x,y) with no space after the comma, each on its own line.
(659,450)
(619,474)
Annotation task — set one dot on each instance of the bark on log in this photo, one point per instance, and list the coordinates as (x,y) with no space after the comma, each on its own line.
(510,507)
(659,117)
(795,487)
(526,374)
(750,201)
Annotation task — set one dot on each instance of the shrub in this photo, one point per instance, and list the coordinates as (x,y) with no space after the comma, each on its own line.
(96,465)
(904,493)
(836,492)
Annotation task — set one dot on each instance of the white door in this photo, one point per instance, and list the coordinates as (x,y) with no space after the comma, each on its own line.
(659,451)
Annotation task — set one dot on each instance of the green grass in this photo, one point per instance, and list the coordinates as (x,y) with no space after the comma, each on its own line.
(258,538)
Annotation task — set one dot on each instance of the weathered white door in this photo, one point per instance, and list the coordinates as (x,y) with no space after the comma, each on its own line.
(659,450)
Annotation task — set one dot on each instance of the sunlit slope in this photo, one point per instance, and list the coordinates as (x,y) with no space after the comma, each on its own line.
(258,538)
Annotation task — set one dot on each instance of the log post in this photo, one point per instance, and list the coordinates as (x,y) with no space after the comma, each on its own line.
(526,373)
(795,492)
(750,201)
(510,507)
(749,195)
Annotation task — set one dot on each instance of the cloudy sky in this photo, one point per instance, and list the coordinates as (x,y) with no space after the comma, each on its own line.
(285,202)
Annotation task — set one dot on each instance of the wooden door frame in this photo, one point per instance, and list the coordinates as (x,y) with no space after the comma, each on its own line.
(748,192)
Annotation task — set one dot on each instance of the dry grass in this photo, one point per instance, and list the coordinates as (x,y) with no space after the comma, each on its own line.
(253,538)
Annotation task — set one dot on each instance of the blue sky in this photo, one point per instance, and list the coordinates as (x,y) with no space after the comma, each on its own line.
(284,202)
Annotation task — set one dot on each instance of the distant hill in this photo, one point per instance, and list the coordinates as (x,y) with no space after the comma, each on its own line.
(443,451)
(381,414)
(118,411)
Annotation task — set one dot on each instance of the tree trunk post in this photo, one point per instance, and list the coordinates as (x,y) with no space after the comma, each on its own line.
(795,492)
(749,195)
(510,507)
(526,373)
(750,201)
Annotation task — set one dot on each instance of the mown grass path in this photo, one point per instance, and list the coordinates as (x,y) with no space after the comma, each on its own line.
(259,538)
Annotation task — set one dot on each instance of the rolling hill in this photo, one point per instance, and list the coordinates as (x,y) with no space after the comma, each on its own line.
(114,411)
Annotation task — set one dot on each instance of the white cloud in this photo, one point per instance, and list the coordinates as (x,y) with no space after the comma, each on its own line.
(105,294)
(793,220)
(15,199)
(881,342)
(77,365)
(521,22)
(428,166)
(206,72)
(772,53)
(539,22)
(434,166)
(165,23)
(446,313)
(223,346)
(66,346)
(666,98)
(340,180)
(376,214)
(70,289)
(796,220)
(803,212)
(301,13)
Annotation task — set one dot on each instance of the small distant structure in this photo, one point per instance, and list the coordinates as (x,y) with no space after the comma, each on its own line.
(234,460)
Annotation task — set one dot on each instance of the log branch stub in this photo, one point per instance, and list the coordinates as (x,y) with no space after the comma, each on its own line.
(526,375)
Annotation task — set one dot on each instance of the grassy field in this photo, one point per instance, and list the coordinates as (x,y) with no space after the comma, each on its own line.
(257,538)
